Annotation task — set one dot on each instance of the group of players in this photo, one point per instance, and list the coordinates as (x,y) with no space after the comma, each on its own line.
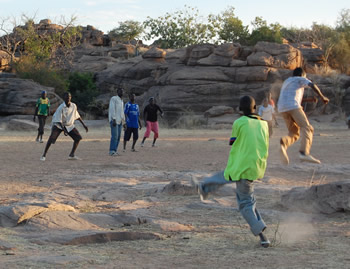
(247,160)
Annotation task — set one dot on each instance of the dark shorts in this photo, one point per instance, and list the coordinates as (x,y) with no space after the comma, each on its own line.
(55,133)
(129,131)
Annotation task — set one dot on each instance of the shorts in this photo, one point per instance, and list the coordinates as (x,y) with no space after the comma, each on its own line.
(129,131)
(55,133)
(152,126)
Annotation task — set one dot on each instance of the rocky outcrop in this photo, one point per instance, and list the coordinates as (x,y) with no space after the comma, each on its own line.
(19,96)
(328,198)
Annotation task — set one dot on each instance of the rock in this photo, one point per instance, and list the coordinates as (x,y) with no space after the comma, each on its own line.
(327,198)
(19,96)
(154,53)
(216,111)
(93,64)
(12,215)
(22,125)
(177,188)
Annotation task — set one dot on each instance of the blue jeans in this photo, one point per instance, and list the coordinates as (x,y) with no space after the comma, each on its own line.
(115,137)
(245,199)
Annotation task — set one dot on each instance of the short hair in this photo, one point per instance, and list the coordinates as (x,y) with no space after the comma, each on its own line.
(66,93)
(298,72)
(246,103)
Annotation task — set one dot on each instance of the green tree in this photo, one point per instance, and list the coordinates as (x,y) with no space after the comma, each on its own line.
(264,32)
(179,29)
(83,89)
(127,31)
(228,27)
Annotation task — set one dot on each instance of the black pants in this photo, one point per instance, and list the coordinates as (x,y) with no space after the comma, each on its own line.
(42,120)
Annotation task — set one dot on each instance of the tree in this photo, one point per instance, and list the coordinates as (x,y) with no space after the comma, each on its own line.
(127,31)
(263,32)
(179,29)
(228,27)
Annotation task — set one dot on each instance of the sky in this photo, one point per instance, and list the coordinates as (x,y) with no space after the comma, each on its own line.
(106,14)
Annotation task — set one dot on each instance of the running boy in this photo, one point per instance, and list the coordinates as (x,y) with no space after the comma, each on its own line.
(63,121)
(246,163)
(42,110)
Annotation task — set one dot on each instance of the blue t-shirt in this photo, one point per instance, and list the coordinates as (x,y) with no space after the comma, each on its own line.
(132,113)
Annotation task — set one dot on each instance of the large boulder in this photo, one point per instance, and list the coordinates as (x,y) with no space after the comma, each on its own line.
(19,96)
(327,198)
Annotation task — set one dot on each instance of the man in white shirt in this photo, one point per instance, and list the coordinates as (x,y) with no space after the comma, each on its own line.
(63,121)
(116,119)
(289,105)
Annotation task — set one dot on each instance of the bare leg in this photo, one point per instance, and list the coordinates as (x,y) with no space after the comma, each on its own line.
(133,144)
(124,144)
(74,148)
(48,144)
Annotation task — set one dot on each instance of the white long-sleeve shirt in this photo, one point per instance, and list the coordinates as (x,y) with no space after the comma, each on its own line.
(116,110)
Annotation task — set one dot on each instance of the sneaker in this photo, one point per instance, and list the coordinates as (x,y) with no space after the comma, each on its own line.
(142,144)
(74,158)
(42,158)
(133,150)
(264,242)
(154,145)
(203,195)
(41,141)
(112,153)
(124,150)
(308,158)
(283,154)
(37,140)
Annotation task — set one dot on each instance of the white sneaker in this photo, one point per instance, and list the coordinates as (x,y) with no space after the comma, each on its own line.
(308,158)
(42,158)
(74,158)
(142,144)
(283,154)
(41,141)
(154,145)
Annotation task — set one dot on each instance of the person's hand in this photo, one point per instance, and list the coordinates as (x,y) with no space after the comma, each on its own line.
(34,118)
(114,123)
(124,126)
(162,114)
(86,128)
(140,127)
(325,100)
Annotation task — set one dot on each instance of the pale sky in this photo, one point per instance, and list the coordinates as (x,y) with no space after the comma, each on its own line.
(105,14)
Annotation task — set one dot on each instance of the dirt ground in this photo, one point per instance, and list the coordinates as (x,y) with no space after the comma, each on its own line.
(192,234)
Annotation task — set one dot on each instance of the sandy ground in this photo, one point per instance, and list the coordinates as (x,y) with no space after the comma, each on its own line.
(203,235)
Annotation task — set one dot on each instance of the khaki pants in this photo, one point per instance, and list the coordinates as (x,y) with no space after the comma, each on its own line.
(297,123)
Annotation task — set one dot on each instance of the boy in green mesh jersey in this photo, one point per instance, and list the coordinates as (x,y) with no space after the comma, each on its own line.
(246,163)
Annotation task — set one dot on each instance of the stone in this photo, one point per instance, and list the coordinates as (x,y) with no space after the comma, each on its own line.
(216,111)
(154,53)
(327,198)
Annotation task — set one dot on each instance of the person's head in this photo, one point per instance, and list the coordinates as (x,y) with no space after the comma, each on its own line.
(247,105)
(132,97)
(43,94)
(67,97)
(151,100)
(120,92)
(265,102)
(299,72)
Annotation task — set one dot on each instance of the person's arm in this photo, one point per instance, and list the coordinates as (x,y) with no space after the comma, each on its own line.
(36,110)
(319,93)
(161,111)
(145,116)
(140,125)
(82,122)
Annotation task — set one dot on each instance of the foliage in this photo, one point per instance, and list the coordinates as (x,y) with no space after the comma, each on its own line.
(228,27)
(179,29)
(28,67)
(127,30)
(83,89)
(263,32)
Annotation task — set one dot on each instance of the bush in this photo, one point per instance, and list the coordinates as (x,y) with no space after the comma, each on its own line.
(83,89)
(29,68)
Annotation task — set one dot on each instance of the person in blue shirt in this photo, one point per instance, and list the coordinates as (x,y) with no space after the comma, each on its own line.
(133,123)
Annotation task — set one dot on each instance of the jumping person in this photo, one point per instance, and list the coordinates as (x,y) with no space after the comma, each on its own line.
(150,117)
(246,163)
(133,123)
(42,110)
(116,118)
(289,105)
(63,121)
